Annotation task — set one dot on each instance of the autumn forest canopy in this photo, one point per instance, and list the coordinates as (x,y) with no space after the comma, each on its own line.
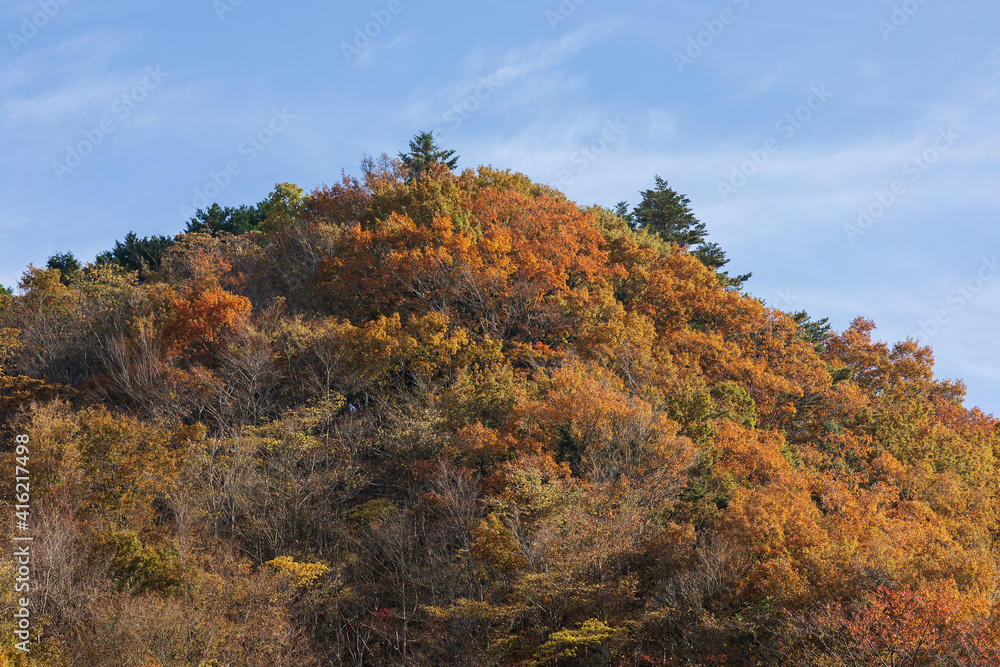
(425,417)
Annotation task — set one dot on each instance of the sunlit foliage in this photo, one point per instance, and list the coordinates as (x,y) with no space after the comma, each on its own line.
(420,417)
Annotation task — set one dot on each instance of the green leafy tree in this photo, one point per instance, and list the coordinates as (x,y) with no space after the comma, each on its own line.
(66,263)
(424,153)
(281,208)
(135,254)
(226,219)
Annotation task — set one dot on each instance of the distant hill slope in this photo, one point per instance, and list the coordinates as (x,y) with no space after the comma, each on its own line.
(458,419)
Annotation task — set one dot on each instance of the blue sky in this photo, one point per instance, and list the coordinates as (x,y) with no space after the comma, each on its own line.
(846,153)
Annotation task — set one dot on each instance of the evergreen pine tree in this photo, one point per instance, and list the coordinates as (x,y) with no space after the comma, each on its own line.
(424,152)
(665,212)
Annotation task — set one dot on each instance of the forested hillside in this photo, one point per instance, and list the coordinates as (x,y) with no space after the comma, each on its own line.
(427,418)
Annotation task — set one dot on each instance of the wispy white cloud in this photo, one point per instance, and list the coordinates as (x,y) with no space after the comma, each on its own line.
(660,124)
(522,75)
(547,54)
(55,106)
(51,84)
(758,86)
(84,54)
